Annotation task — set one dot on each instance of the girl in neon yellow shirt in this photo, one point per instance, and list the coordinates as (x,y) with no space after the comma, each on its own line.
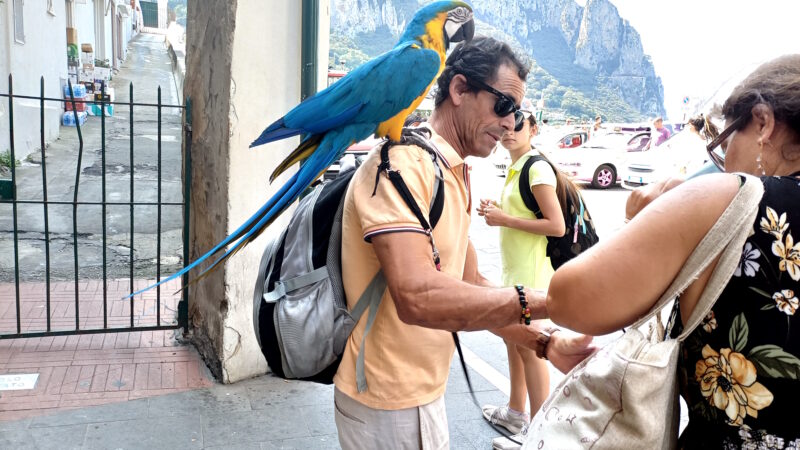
(523,245)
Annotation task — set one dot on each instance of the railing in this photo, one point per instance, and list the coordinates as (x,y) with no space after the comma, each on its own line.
(38,328)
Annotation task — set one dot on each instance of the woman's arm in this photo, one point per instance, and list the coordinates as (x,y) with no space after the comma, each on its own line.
(552,221)
(619,279)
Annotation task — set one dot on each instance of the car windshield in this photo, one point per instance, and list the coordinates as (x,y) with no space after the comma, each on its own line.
(638,143)
(611,140)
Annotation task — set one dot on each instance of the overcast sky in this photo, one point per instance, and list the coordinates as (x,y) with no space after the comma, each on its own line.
(697,45)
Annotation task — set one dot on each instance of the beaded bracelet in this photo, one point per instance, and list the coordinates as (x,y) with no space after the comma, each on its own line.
(525,317)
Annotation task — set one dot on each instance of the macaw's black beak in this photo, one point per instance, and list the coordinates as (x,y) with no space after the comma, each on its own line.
(465,32)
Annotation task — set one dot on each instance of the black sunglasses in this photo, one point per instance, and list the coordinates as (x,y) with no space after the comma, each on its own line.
(504,105)
(719,158)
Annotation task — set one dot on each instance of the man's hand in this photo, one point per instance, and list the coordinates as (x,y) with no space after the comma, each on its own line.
(645,195)
(491,212)
(567,349)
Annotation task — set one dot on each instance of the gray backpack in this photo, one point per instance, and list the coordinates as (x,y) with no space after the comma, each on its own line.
(300,312)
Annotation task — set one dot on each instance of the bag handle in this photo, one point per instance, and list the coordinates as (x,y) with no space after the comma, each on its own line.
(726,237)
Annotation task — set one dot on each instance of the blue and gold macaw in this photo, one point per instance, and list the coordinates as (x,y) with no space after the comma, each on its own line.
(375,98)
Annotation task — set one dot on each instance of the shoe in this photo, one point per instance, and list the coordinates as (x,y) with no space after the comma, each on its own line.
(499,415)
(504,443)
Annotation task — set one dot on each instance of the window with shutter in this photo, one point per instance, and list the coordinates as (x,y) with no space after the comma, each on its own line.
(19,25)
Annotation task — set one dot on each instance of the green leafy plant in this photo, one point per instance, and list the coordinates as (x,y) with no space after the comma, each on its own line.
(5,157)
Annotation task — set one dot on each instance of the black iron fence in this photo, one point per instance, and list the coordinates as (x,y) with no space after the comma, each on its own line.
(38,309)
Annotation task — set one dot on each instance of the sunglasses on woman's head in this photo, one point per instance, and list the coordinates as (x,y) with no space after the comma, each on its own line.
(718,158)
(504,105)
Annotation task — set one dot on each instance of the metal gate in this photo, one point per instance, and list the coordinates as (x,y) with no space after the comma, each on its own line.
(80,304)
(149,14)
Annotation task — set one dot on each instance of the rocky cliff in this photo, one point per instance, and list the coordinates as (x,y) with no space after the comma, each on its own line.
(590,51)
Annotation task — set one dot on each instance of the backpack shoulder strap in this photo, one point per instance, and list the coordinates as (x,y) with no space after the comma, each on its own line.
(525,186)
(413,136)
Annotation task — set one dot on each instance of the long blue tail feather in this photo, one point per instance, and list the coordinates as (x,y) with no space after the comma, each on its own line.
(304,177)
(329,150)
(275,133)
(246,226)
(262,224)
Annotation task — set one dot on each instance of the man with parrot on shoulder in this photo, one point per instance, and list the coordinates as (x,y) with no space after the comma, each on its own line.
(433,284)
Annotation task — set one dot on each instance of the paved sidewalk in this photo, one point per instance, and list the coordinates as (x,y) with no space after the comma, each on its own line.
(91,369)
(260,413)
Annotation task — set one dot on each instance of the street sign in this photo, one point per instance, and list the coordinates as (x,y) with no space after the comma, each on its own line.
(17,382)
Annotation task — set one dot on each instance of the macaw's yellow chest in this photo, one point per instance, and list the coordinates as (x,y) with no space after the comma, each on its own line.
(432,40)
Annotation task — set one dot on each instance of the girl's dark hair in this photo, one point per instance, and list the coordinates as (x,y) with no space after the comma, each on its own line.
(477,60)
(777,85)
(704,126)
(564,187)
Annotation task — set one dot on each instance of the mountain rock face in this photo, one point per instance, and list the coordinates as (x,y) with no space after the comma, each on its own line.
(584,48)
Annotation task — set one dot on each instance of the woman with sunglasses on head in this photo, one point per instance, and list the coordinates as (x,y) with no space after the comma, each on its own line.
(523,245)
(740,369)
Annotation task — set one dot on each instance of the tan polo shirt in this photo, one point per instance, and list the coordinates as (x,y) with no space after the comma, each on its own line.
(405,365)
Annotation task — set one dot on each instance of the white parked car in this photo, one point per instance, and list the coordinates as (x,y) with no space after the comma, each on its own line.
(546,144)
(599,160)
(682,154)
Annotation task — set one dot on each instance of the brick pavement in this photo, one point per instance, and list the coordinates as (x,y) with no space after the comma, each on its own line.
(93,369)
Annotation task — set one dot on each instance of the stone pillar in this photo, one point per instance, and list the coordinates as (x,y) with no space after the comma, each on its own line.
(242,73)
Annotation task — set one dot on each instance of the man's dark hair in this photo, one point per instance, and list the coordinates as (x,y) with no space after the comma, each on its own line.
(478,60)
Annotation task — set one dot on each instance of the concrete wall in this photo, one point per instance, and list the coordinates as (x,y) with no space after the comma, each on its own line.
(242,73)
(108,16)
(45,36)
(207,84)
(5,61)
(323,46)
(84,22)
(101,52)
(163,14)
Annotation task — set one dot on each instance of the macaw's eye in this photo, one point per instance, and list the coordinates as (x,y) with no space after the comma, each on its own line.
(459,26)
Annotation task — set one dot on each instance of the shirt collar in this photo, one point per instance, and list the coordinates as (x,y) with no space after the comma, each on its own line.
(446,152)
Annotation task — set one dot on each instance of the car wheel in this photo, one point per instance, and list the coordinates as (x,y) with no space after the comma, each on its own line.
(604,177)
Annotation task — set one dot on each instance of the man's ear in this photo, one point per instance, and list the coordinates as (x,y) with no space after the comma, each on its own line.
(458,87)
(764,120)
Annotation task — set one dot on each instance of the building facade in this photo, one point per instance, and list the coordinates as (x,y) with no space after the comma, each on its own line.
(36,38)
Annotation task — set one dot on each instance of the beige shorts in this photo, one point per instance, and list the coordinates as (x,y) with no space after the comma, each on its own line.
(361,427)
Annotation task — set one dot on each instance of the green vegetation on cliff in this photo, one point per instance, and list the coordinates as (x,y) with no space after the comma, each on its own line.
(579,97)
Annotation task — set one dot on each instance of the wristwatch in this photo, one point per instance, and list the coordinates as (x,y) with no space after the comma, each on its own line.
(542,340)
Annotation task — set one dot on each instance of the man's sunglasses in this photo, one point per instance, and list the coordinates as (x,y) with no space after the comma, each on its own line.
(504,105)
(718,158)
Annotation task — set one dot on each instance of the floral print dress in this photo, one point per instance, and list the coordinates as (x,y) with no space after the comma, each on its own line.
(740,370)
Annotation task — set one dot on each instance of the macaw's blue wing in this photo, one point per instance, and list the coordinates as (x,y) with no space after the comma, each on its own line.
(372,93)
(375,92)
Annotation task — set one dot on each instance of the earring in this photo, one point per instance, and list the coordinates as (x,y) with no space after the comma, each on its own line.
(759,167)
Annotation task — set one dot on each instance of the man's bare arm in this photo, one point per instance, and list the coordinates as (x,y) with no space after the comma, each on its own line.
(472,274)
(426,297)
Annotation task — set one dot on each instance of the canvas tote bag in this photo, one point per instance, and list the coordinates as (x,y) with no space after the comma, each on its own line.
(625,395)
